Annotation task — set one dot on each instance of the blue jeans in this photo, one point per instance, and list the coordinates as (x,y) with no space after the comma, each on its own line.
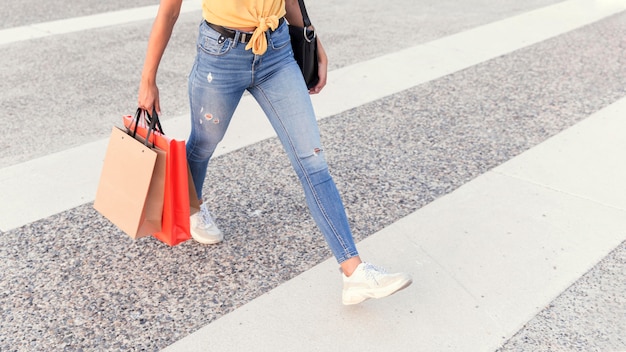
(223,70)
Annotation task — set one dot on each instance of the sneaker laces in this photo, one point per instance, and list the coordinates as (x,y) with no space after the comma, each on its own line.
(205,216)
(373,272)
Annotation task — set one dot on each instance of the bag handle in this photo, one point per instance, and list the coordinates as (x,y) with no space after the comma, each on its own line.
(308,34)
(305,15)
(152,121)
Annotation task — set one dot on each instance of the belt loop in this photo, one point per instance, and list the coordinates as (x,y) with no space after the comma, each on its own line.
(236,39)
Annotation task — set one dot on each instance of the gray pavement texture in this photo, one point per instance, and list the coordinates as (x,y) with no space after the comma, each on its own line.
(589,316)
(74,282)
(27,12)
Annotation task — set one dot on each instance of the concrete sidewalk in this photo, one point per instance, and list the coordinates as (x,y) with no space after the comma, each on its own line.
(485,259)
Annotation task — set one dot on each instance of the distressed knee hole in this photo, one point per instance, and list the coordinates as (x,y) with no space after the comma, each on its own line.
(210,117)
(311,155)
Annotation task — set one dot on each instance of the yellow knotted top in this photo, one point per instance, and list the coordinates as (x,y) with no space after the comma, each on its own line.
(260,14)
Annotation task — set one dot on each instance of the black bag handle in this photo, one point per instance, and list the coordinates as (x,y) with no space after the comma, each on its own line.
(153,122)
(305,15)
(309,34)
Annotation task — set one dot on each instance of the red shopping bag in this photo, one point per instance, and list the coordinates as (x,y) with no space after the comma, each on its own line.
(179,199)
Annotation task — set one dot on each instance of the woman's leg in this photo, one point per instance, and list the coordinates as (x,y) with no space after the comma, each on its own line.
(217,81)
(282,94)
(290,112)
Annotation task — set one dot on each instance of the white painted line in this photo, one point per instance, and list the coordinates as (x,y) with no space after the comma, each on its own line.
(77,24)
(46,186)
(348,87)
(485,259)
(597,154)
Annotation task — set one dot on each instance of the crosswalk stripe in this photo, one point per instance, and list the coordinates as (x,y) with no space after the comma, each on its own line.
(83,23)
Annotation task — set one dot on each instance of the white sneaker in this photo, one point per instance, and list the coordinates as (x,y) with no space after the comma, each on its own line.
(369,281)
(203,228)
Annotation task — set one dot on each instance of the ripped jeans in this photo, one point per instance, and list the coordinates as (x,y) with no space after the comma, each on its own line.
(222,71)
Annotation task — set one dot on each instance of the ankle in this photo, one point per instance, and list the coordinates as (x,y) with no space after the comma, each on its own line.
(349,266)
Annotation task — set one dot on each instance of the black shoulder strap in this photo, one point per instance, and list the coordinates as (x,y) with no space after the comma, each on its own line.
(305,15)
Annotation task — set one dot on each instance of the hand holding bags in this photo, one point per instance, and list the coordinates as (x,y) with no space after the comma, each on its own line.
(131,187)
(304,45)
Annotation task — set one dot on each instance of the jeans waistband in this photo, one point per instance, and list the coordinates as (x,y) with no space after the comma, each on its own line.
(244,37)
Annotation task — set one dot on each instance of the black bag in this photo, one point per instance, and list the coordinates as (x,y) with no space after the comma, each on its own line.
(304,45)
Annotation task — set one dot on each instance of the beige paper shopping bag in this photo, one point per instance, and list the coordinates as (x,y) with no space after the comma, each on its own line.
(131,187)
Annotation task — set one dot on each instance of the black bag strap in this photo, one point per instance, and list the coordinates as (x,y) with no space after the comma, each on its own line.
(135,122)
(305,15)
(153,122)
